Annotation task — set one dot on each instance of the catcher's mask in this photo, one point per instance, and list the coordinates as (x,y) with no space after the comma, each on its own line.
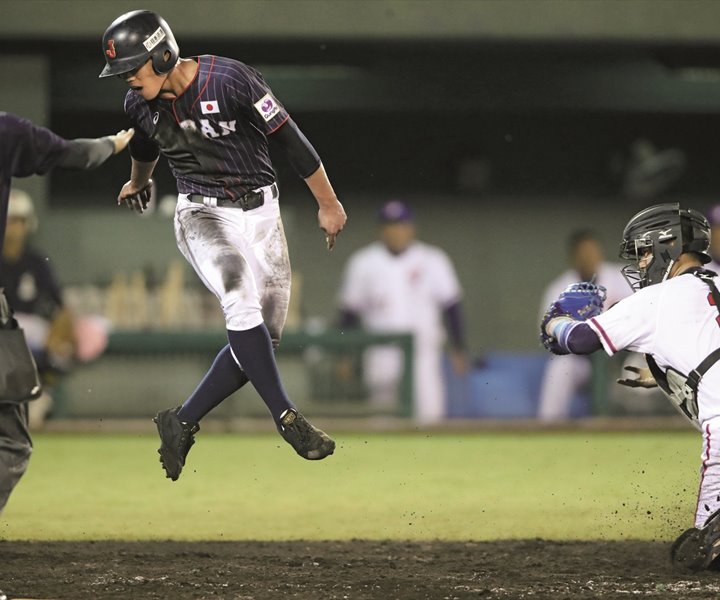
(136,37)
(656,237)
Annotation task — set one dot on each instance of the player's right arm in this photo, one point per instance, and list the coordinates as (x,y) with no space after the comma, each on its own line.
(144,154)
(37,149)
(136,192)
(86,153)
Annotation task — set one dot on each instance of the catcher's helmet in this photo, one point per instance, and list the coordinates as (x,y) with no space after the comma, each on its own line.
(660,234)
(134,38)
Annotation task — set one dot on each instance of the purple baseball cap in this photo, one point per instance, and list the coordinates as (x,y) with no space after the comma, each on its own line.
(713,215)
(395,211)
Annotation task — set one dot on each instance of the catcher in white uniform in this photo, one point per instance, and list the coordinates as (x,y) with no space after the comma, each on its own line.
(674,318)
(399,284)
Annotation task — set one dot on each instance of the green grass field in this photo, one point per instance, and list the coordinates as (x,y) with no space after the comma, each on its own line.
(478,486)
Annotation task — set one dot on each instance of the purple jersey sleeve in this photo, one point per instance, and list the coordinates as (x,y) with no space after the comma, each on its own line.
(28,149)
(582,339)
(25,149)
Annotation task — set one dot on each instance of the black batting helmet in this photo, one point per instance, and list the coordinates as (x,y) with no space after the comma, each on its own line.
(660,234)
(134,38)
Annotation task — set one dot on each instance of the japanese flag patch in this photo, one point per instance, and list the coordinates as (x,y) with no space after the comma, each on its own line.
(209,107)
(267,106)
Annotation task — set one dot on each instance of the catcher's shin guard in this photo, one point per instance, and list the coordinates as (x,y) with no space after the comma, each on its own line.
(697,549)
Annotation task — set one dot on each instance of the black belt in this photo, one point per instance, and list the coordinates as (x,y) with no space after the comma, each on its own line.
(248,201)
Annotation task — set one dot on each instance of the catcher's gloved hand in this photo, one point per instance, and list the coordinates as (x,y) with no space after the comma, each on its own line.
(582,301)
(644,378)
(133,198)
(579,302)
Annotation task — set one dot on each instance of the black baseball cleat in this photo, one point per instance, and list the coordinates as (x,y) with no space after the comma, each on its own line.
(697,549)
(309,442)
(176,437)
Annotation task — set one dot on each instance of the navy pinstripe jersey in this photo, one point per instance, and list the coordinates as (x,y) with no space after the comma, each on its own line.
(214,133)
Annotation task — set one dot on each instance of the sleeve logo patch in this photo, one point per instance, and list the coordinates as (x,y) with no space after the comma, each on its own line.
(154,39)
(267,107)
(209,107)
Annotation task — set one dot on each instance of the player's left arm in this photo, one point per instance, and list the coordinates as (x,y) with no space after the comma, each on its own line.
(270,117)
(567,335)
(307,163)
(454,323)
(448,294)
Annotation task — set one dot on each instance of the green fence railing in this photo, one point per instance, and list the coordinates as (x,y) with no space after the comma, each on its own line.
(132,343)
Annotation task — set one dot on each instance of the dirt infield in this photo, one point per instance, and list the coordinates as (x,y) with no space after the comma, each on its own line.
(346,570)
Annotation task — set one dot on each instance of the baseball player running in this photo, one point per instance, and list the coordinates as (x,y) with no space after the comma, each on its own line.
(674,318)
(211,117)
(27,149)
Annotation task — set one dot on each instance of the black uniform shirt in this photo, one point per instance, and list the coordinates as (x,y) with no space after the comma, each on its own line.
(25,149)
(214,133)
(30,285)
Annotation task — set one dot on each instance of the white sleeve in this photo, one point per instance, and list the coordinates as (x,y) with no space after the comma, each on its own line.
(630,324)
(352,295)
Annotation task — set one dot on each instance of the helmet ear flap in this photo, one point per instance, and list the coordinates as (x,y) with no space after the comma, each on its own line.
(160,65)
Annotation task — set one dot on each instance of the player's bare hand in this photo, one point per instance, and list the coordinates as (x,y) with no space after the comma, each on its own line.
(644,378)
(332,219)
(134,197)
(121,139)
(459,362)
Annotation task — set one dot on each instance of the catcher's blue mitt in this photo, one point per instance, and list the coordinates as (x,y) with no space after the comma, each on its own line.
(579,302)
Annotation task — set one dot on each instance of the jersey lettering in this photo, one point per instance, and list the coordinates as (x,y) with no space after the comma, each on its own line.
(212,134)
(207,129)
(227,126)
(188,124)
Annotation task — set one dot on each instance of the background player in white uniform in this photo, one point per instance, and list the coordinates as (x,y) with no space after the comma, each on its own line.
(674,318)
(211,117)
(564,376)
(399,284)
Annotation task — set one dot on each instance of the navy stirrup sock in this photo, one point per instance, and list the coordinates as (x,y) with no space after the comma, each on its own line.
(222,379)
(253,350)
